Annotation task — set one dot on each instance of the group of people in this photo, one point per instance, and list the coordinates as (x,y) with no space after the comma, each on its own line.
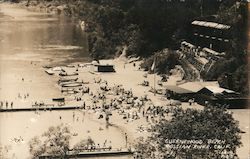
(6,104)
(92,146)
(17,139)
(24,96)
(129,106)
(107,99)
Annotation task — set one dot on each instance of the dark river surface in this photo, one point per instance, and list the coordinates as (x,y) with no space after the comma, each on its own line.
(28,41)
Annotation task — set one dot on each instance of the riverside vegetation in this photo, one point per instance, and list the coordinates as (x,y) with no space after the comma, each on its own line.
(147,26)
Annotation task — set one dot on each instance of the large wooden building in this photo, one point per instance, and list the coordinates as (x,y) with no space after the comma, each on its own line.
(212,35)
(221,96)
(207,93)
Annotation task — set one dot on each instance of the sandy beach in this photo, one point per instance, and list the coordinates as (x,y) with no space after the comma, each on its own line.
(88,125)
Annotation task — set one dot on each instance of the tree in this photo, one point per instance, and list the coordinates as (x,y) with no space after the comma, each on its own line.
(209,133)
(165,61)
(83,145)
(4,150)
(54,142)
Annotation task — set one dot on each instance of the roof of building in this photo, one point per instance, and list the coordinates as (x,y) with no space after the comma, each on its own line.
(202,60)
(188,44)
(103,63)
(196,86)
(177,89)
(218,90)
(210,51)
(211,25)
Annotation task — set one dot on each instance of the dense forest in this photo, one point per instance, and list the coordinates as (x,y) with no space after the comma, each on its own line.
(146,27)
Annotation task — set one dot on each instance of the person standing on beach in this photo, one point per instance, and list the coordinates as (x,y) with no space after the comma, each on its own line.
(107,120)
(104,144)
(84,105)
(73,116)
(126,139)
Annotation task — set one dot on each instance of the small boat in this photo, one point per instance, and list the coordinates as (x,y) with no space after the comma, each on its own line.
(69,90)
(72,92)
(67,80)
(58,99)
(50,72)
(72,85)
(71,66)
(70,82)
(47,67)
(68,74)
(57,69)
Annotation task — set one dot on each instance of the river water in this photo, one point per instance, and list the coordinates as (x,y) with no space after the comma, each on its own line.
(28,41)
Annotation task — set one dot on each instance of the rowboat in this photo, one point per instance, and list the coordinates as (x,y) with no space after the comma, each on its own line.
(68,74)
(69,83)
(58,99)
(72,85)
(67,80)
(50,72)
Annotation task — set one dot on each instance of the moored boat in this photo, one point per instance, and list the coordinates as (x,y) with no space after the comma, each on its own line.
(68,74)
(72,85)
(67,80)
(50,72)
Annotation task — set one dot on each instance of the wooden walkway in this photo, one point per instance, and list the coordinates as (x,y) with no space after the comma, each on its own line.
(40,109)
(91,154)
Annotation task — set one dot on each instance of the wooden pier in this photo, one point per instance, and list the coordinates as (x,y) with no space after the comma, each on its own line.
(90,154)
(41,109)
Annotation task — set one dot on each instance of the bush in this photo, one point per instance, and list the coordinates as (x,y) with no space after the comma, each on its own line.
(165,60)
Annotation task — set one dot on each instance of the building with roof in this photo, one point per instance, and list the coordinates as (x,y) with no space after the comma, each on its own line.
(201,58)
(186,91)
(220,96)
(211,25)
(212,35)
(196,86)
(206,92)
(178,93)
(103,66)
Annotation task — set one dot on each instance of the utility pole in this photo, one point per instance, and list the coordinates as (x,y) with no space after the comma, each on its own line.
(154,74)
(201,7)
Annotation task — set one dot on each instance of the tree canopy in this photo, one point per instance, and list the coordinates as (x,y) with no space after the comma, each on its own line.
(54,141)
(209,133)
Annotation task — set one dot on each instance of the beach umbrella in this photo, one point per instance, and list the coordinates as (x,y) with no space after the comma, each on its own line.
(57,69)
(175,102)
(94,63)
(108,112)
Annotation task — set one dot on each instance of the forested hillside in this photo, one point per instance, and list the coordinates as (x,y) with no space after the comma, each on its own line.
(149,26)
